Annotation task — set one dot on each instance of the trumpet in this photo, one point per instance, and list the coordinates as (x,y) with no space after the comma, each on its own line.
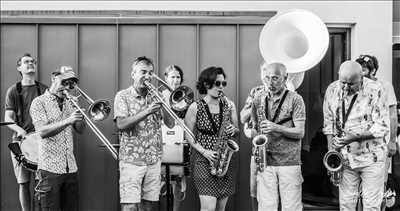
(98,111)
(260,152)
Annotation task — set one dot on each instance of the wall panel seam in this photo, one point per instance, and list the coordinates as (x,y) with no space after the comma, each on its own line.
(37,52)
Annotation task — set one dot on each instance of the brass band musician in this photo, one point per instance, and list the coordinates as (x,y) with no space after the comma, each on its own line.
(207,116)
(279,114)
(138,116)
(356,119)
(174,77)
(56,118)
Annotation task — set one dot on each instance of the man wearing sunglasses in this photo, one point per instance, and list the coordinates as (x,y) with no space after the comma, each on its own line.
(280,115)
(18,101)
(356,120)
(56,118)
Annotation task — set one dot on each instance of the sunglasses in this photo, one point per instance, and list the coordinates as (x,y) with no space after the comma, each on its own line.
(219,83)
(68,83)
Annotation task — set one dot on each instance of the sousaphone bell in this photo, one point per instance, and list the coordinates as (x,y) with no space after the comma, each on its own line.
(296,38)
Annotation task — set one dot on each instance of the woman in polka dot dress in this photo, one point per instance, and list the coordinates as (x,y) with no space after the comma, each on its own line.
(204,119)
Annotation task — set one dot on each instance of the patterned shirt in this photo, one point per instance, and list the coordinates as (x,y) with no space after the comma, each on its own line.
(369,113)
(253,91)
(141,145)
(281,151)
(55,153)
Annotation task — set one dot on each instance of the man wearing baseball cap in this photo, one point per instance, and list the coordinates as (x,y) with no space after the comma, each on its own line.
(55,118)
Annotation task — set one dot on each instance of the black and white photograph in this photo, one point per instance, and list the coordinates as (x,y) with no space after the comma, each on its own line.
(200,105)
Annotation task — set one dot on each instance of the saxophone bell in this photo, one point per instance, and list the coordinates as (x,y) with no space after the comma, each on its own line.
(333,162)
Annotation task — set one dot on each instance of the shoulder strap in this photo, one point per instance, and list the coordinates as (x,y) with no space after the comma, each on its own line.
(38,88)
(278,110)
(19,116)
(345,114)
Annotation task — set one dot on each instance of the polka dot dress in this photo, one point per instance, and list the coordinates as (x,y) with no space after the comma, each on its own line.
(205,183)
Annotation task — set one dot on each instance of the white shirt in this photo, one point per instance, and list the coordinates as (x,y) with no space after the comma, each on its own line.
(389,90)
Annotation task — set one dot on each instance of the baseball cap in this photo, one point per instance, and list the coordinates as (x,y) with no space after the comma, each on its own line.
(65,73)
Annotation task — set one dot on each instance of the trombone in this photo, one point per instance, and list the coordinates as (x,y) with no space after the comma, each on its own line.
(98,111)
(179,101)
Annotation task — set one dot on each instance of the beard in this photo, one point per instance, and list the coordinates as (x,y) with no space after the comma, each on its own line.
(142,90)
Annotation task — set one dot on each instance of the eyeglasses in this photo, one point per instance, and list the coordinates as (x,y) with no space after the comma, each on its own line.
(349,83)
(273,78)
(30,61)
(219,83)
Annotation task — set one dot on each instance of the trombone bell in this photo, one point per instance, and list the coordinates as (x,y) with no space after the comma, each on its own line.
(99,110)
(180,100)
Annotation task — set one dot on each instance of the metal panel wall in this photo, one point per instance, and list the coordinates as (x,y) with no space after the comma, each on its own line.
(102,55)
(134,41)
(97,73)
(178,46)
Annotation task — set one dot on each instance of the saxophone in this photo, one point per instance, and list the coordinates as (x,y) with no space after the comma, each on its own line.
(260,141)
(225,147)
(333,159)
(260,151)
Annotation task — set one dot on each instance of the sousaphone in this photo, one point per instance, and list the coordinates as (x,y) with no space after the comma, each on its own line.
(296,38)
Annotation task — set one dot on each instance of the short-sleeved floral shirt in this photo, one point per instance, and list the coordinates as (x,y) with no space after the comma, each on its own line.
(369,113)
(56,153)
(141,145)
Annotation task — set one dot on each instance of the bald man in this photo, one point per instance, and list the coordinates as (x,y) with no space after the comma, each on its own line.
(356,118)
(280,114)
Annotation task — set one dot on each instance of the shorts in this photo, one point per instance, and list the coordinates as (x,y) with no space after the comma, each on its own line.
(139,182)
(22,174)
(282,182)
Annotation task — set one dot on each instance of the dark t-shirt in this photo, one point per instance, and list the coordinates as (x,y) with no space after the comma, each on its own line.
(28,94)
